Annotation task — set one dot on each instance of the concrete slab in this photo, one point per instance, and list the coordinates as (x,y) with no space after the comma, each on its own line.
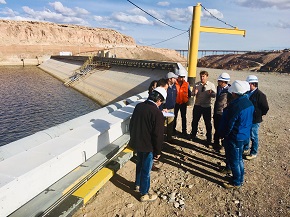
(44,202)
(62,70)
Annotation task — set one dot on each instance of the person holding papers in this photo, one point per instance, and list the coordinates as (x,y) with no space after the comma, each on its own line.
(168,106)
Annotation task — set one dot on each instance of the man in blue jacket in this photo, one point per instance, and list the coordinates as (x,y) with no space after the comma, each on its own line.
(235,128)
(169,105)
(146,138)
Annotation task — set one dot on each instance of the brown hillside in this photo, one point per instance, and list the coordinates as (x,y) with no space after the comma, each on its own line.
(252,61)
(39,40)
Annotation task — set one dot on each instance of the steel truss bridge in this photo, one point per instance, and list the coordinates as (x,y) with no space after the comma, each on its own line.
(203,53)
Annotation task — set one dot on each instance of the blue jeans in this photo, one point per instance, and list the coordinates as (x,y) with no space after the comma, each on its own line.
(143,168)
(254,138)
(225,145)
(234,155)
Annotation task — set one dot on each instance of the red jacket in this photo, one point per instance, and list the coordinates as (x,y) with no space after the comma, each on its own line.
(183,92)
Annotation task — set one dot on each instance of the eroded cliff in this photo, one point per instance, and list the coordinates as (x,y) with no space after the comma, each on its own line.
(23,40)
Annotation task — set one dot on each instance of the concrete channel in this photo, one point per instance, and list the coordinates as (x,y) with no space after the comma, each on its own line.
(59,169)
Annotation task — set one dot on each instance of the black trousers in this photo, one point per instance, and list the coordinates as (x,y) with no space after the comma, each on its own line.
(216,122)
(205,112)
(182,108)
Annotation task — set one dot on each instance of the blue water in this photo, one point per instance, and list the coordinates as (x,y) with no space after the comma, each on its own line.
(32,100)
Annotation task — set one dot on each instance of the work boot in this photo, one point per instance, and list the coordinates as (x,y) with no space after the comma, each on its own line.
(251,157)
(148,197)
(230,186)
(246,152)
(224,170)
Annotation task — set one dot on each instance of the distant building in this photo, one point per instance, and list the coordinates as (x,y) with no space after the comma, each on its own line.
(65,53)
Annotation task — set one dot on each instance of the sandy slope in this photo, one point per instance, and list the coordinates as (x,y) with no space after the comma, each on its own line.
(190,169)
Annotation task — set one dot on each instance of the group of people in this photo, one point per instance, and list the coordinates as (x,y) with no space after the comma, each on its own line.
(237,114)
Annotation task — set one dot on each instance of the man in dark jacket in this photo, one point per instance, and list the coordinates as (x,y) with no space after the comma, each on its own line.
(146,138)
(235,128)
(259,100)
(219,105)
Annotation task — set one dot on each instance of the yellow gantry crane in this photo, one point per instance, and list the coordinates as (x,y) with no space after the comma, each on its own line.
(194,40)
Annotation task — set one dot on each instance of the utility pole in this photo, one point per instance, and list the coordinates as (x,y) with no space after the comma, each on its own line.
(194,41)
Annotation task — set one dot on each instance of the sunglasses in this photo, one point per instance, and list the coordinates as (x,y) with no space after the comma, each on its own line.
(203,89)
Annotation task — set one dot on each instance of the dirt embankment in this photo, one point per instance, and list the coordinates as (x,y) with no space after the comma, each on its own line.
(29,40)
(278,61)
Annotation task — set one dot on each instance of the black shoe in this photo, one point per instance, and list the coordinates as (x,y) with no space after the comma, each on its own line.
(194,139)
(209,144)
(154,168)
(185,136)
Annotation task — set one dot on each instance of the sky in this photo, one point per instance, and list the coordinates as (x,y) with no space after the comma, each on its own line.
(165,24)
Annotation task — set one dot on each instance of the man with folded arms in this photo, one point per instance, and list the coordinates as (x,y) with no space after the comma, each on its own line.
(259,100)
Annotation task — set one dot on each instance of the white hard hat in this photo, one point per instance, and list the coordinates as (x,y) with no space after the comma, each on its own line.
(224,77)
(239,87)
(162,91)
(182,72)
(252,79)
(171,75)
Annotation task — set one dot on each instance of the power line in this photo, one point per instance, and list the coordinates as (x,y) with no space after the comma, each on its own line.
(168,39)
(184,31)
(216,17)
(156,17)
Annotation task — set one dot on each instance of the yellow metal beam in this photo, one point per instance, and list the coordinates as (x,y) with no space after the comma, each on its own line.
(94,184)
(90,188)
(234,31)
(194,41)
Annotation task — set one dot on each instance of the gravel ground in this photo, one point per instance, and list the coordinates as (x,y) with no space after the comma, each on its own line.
(188,183)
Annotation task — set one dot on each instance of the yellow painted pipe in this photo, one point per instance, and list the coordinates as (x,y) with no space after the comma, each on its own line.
(234,31)
(194,40)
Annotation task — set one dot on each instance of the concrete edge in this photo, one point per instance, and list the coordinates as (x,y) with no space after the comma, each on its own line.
(85,192)
(51,197)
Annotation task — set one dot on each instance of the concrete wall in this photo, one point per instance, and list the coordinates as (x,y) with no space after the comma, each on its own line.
(33,164)
(104,85)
